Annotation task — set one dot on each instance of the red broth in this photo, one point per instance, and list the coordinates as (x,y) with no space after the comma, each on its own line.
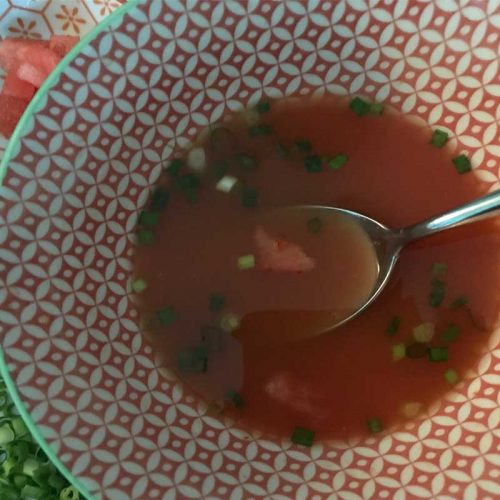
(348,381)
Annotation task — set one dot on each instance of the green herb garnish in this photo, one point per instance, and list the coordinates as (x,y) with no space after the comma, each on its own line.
(438,354)
(313,164)
(451,333)
(263,107)
(175,167)
(246,262)
(439,138)
(436,296)
(234,398)
(451,376)
(230,322)
(246,162)
(138,285)
(374,425)
(166,316)
(303,145)
(159,199)
(260,130)
(376,108)
(194,360)
(145,237)
(462,164)
(148,218)
(249,196)
(188,181)
(216,302)
(302,436)
(459,302)
(315,225)
(359,106)
(337,161)
(393,326)
(398,351)
(439,269)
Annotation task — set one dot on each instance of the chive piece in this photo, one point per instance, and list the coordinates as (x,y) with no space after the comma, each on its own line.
(234,398)
(459,302)
(376,108)
(138,285)
(69,493)
(359,106)
(462,164)
(263,107)
(175,167)
(436,296)
(439,138)
(213,338)
(216,302)
(223,140)
(219,169)
(194,360)
(246,162)
(424,332)
(249,196)
(246,262)
(281,151)
(302,436)
(337,161)
(438,354)
(260,130)
(374,425)
(393,326)
(416,350)
(439,269)
(314,225)
(159,199)
(148,218)
(313,164)
(451,333)
(145,237)
(230,322)
(398,352)
(303,145)
(166,316)
(451,376)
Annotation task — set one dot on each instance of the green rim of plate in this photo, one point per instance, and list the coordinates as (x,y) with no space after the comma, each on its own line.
(33,106)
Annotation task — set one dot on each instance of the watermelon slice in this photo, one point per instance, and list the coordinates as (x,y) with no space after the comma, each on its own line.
(11,109)
(9,50)
(275,254)
(62,44)
(16,87)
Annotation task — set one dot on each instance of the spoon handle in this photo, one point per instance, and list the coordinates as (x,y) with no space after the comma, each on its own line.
(486,206)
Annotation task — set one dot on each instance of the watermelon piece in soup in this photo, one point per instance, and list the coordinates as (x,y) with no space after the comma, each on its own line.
(15,87)
(11,110)
(10,47)
(62,44)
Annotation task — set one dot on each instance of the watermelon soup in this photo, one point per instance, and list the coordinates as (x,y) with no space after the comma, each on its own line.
(234,284)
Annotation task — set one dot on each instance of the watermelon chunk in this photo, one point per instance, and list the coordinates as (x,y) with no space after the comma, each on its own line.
(62,44)
(16,87)
(31,74)
(9,50)
(11,109)
(275,254)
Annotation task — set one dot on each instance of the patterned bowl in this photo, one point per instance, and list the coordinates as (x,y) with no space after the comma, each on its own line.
(82,163)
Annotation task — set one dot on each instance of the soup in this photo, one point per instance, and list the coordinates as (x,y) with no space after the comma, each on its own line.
(238,289)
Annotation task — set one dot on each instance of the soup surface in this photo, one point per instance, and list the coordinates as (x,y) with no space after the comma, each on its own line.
(229,276)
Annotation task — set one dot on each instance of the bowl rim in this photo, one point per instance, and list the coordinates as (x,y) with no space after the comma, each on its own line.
(10,152)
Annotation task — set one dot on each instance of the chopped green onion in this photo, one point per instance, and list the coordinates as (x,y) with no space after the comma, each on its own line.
(451,376)
(234,398)
(30,465)
(302,436)
(213,338)
(451,333)
(6,434)
(439,269)
(138,285)
(249,196)
(148,218)
(30,491)
(260,130)
(303,145)
(216,302)
(398,352)
(281,151)
(376,108)
(166,316)
(459,302)
(424,332)
(223,140)
(337,161)
(194,360)
(246,262)
(359,106)
(263,107)
(159,199)
(69,493)
(313,164)
(246,162)
(439,138)
(438,354)
(436,296)
(412,409)
(145,237)
(175,166)
(416,350)
(462,164)
(374,425)
(18,427)
(219,169)
(230,322)
(226,184)
(42,474)
(314,225)
(393,326)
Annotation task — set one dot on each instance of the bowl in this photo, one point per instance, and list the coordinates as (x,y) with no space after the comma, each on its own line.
(82,163)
